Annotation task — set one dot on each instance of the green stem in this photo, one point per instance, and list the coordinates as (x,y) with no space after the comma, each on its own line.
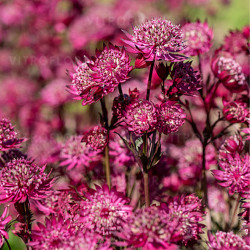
(7,242)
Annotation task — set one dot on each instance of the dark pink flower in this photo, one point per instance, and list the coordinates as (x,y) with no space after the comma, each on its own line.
(170,117)
(229,73)
(235,112)
(185,79)
(103,210)
(157,39)
(198,37)
(4,220)
(8,136)
(235,174)
(185,214)
(141,117)
(76,154)
(226,241)
(21,179)
(96,138)
(148,228)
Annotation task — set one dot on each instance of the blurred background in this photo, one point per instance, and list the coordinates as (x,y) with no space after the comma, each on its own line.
(40,39)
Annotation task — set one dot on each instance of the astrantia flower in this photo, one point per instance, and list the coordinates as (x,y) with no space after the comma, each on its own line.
(21,178)
(157,39)
(235,112)
(111,66)
(229,73)
(235,174)
(8,136)
(216,201)
(76,154)
(170,117)
(198,37)
(96,138)
(4,220)
(141,117)
(185,79)
(83,87)
(226,241)
(104,210)
(185,213)
(148,229)
(56,234)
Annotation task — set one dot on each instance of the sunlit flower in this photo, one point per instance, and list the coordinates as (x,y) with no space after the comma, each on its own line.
(157,39)
(21,179)
(104,210)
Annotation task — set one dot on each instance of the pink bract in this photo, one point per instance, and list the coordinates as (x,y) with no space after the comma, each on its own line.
(4,220)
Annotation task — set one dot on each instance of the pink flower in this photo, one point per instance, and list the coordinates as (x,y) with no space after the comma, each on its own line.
(54,94)
(8,136)
(198,37)
(75,154)
(104,210)
(21,179)
(141,117)
(4,220)
(157,39)
(95,79)
(226,241)
(229,73)
(185,79)
(216,200)
(170,117)
(236,111)
(148,228)
(96,138)
(185,214)
(235,174)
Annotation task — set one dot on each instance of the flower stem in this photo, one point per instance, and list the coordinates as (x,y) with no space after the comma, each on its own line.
(106,160)
(7,242)
(146,189)
(120,91)
(234,213)
(204,176)
(149,80)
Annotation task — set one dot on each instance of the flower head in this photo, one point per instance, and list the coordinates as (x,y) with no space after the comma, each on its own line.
(147,228)
(229,73)
(4,220)
(226,241)
(198,37)
(93,80)
(21,178)
(236,111)
(141,117)
(157,39)
(170,117)
(185,79)
(104,210)
(8,136)
(76,154)
(235,174)
(96,138)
